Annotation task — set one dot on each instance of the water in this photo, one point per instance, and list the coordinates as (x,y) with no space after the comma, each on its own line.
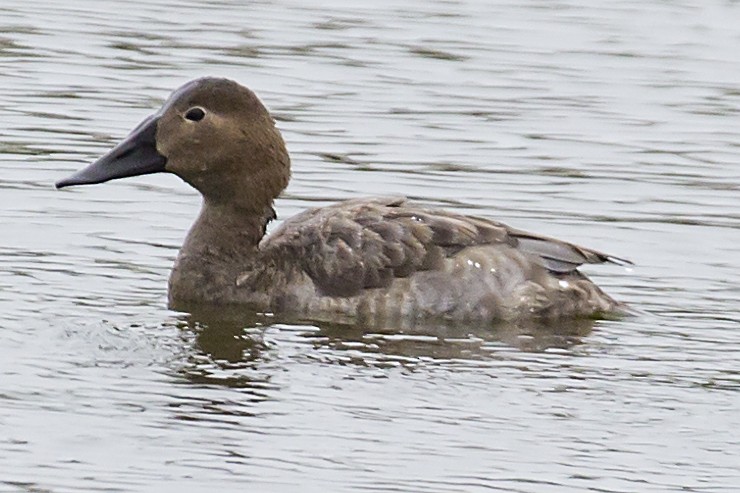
(614,125)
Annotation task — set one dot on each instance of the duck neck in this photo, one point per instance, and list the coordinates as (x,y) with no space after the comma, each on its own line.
(223,243)
(227,233)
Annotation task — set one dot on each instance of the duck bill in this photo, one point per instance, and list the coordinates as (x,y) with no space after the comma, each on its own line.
(136,155)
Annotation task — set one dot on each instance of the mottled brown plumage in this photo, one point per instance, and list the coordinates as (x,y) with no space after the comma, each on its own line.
(378,260)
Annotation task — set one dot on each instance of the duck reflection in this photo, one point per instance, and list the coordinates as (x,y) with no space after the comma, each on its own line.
(231,347)
(443,341)
(228,348)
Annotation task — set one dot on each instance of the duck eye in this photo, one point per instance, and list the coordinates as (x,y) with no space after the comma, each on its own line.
(195,114)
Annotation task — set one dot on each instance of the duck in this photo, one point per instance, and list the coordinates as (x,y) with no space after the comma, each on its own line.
(374,260)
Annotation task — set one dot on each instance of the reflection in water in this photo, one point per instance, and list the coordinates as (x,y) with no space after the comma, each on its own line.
(228,338)
(231,347)
(447,341)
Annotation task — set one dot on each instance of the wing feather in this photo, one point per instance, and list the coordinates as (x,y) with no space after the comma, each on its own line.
(366,243)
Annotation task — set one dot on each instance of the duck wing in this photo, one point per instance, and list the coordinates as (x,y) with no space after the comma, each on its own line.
(560,256)
(366,243)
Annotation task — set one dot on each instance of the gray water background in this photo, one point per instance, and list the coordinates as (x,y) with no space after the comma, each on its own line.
(615,125)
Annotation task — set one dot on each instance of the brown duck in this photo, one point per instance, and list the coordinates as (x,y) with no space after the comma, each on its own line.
(377,259)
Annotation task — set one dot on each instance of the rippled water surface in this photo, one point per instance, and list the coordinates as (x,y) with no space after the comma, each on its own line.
(612,124)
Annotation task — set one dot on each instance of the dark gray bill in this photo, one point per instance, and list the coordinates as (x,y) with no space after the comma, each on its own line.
(136,155)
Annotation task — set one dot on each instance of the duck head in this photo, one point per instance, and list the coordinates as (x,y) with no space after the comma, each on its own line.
(213,133)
